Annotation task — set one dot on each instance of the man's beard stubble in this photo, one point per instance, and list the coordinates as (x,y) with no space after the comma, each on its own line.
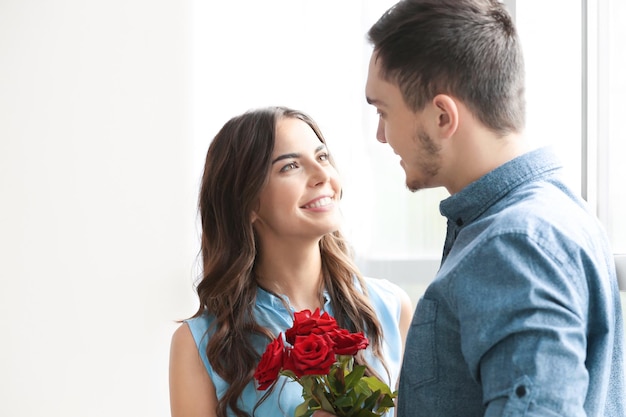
(427,161)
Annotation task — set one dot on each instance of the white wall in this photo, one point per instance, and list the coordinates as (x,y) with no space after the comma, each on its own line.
(97,204)
(99,160)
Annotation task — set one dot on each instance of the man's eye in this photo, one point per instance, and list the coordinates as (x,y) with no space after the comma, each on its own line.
(323,157)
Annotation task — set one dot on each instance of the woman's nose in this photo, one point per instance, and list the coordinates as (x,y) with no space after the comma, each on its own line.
(320,174)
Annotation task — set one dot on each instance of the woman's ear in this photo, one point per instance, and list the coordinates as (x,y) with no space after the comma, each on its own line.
(447,113)
(253,215)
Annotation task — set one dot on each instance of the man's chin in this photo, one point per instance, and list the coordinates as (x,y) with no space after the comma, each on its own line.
(414,186)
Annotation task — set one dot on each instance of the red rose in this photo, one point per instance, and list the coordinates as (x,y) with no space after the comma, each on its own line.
(305,323)
(270,364)
(310,355)
(347,343)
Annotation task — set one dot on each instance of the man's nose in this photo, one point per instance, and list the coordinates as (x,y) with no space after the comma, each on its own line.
(380,132)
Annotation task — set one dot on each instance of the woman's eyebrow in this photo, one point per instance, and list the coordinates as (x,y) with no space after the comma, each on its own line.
(287,156)
(296,155)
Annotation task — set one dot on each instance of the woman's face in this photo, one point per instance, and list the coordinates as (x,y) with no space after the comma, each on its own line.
(301,197)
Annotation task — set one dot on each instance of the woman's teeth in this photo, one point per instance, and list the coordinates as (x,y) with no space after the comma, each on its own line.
(320,203)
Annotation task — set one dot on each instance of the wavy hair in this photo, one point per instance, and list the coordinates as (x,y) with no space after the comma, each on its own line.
(465,48)
(237,167)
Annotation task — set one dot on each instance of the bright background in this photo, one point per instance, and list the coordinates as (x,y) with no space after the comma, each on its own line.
(107,109)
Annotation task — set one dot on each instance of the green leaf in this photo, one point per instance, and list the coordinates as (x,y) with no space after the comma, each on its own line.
(345,394)
(370,402)
(345,361)
(353,378)
(320,395)
(302,410)
(377,385)
(289,374)
(386,401)
(346,401)
(365,413)
(362,388)
(336,380)
(308,384)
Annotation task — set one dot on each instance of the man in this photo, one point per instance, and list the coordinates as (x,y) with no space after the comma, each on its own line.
(523,318)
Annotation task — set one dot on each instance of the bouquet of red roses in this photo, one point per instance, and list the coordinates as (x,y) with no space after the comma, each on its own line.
(320,356)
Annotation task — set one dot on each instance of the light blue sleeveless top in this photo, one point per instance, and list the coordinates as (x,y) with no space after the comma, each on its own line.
(272,314)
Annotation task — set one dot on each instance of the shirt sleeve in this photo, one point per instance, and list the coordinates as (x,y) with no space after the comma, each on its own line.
(522,317)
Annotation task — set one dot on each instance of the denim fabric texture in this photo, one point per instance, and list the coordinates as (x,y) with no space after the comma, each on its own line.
(271,312)
(523,317)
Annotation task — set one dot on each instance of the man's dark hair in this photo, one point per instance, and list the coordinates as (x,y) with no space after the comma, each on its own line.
(468,49)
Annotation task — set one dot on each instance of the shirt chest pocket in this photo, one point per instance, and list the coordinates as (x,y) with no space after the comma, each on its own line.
(420,359)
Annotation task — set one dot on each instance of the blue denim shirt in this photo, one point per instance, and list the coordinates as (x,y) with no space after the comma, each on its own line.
(523,317)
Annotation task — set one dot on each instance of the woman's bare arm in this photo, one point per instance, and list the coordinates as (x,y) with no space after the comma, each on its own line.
(406,315)
(192,393)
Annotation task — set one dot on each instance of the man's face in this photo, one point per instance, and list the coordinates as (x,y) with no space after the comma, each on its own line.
(404,130)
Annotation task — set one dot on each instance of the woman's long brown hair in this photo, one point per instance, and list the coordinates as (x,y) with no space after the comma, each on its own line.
(236,169)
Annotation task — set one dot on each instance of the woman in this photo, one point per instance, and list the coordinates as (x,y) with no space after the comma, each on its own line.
(271,246)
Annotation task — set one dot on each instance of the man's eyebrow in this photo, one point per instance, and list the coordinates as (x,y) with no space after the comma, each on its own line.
(296,155)
(372,101)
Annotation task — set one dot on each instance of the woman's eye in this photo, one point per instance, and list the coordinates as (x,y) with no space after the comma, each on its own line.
(289,167)
(323,157)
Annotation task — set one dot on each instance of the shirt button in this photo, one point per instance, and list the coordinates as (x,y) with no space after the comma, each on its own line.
(520,391)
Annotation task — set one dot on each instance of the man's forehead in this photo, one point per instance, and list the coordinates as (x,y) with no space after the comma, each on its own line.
(373,82)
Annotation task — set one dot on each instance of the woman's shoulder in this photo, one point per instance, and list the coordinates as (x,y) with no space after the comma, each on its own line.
(191,388)
(182,337)
(387,295)
(383,287)
(200,324)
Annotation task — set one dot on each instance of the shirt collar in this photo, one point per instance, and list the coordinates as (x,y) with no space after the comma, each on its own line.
(275,301)
(469,203)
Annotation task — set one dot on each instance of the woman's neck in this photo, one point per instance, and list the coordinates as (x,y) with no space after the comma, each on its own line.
(295,273)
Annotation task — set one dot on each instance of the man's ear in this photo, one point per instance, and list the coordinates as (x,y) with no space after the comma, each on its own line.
(447,113)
